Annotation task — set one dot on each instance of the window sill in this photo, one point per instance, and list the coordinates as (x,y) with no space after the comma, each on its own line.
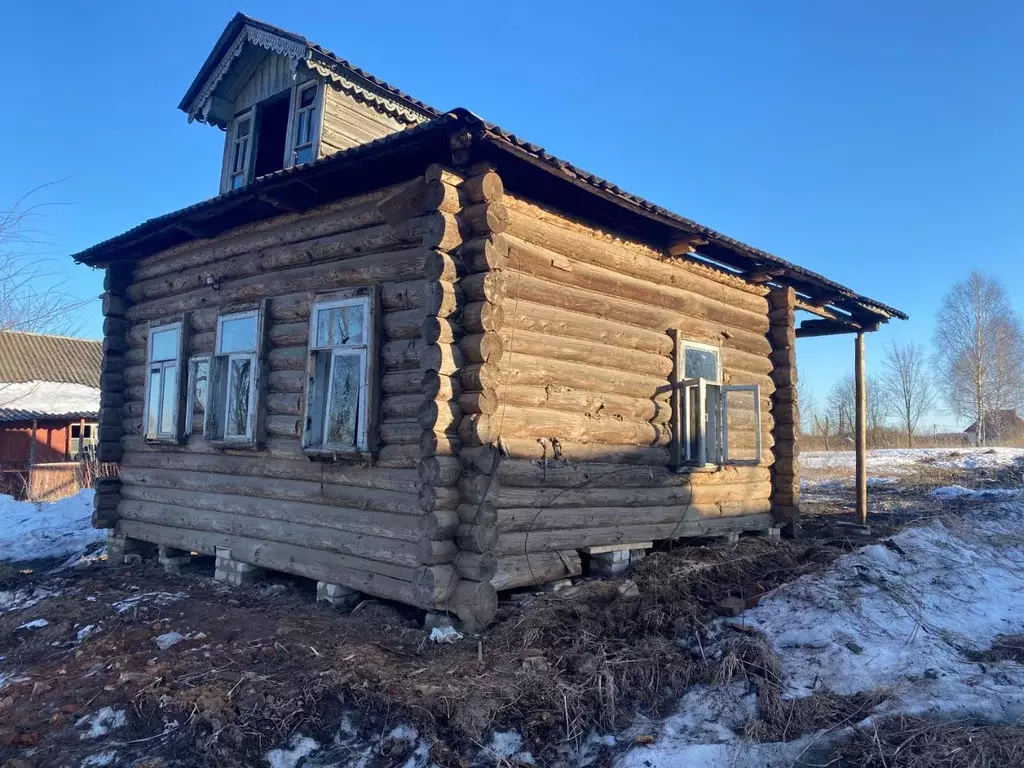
(338,457)
(168,440)
(236,445)
(705,468)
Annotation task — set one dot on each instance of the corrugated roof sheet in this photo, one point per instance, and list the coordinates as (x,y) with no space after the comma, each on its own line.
(40,357)
(428,142)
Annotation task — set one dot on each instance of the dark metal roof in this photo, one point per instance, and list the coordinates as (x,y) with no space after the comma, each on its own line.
(240,20)
(524,167)
(40,357)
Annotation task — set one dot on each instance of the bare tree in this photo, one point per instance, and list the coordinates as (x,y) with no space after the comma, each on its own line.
(841,407)
(906,386)
(979,350)
(808,404)
(32,297)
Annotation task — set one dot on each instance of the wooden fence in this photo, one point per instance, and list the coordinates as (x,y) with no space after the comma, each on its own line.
(51,481)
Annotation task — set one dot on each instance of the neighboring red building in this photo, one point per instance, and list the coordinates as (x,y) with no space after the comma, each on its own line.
(49,402)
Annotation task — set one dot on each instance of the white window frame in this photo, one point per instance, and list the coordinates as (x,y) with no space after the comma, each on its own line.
(755,390)
(190,402)
(316,108)
(178,328)
(233,140)
(227,358)
(318,393)
(708,443)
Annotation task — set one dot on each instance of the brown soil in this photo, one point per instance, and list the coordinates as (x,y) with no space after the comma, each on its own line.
(270,663)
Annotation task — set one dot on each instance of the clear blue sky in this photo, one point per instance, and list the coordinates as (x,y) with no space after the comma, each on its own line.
(879,143)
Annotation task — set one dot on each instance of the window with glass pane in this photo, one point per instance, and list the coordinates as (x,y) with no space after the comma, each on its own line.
(240,152)
(336,417)
(162,382)
(198,389)
(236,350)
(697,385)
(304,129)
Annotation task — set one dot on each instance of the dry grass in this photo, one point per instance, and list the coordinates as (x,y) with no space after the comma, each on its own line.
(1004,648)
(913,742)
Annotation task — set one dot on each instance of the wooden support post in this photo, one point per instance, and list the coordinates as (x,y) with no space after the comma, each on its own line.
(862,433)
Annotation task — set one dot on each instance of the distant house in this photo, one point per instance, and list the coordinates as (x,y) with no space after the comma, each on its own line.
(49,403)
(1003,426)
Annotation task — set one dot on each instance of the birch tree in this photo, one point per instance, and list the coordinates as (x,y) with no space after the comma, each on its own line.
(979,350)
(32,295)
(907,386)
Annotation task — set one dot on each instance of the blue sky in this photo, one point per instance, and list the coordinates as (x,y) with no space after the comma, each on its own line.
(879,143)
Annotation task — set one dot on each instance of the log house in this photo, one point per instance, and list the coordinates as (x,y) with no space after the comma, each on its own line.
(405,352)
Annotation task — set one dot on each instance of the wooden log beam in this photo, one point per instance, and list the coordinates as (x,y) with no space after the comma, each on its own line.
(861,430)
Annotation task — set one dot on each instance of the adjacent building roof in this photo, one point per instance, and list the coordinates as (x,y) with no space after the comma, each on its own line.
(999,422)
(30,400)
(27,357)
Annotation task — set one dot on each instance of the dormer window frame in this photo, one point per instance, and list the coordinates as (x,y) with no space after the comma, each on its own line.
(311,117)
(239,150)
(313,122)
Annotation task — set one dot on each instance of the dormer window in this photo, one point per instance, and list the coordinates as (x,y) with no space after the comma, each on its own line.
(239,157)
(276,132)
(305,125)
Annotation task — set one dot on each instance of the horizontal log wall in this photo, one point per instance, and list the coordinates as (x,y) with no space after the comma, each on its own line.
(581,371)
(387,529)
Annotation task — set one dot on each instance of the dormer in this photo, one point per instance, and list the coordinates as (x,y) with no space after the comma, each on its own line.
(284,101)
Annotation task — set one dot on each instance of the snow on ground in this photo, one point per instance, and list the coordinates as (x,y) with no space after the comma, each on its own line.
(901,617)
(897,462)
(38,531)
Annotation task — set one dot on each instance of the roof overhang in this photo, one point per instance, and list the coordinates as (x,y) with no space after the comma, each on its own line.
(525,168)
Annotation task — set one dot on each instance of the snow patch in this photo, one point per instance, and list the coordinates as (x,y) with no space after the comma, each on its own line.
(103,722)
(299,748)
(100,759)
(156,598)
(53,398)
(23,598)
(50,529)
(900,617)
(35,624)
(166,640)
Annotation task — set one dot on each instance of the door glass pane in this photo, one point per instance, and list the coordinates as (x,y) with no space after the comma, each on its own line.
(303,155)
(153,406)
(243,128)
(170,395)
(343,405)
(164,345)
(238,334)
(306,97)
(339,325)
(239,381)
(701,364)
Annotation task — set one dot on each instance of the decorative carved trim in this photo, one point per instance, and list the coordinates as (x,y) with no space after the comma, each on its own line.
(363,95)
(200,106)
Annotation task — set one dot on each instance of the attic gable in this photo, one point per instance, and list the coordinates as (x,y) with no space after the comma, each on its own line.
(247,45)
